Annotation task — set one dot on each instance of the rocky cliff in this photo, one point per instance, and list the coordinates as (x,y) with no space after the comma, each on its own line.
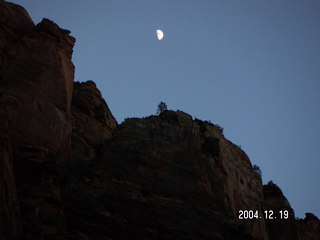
(69,171)
(36,82)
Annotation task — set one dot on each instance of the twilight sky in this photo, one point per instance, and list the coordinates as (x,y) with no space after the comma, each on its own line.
(251,66)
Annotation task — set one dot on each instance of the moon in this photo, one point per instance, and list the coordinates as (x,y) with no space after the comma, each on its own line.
(160,34)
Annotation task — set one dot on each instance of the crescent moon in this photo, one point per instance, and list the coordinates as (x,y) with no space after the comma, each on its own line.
(160,34)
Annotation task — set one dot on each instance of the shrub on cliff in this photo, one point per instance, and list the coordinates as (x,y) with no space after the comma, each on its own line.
(219,128)
(257,170)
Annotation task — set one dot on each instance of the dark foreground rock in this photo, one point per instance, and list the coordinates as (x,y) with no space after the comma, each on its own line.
(69,171)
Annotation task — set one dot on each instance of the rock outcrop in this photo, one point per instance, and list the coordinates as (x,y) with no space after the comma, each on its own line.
(279,226)
(309,228)
(69,171)
(92,124)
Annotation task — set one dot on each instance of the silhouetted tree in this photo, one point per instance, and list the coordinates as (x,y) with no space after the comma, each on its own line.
(162,106)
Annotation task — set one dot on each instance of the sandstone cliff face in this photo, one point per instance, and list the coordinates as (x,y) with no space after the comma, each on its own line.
(36,90)
(241,185)
(69,171)
(166,177)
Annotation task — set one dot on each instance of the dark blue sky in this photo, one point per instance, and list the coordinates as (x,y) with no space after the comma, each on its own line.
(251,66)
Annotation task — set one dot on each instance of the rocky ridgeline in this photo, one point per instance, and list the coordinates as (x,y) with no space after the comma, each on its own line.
(69,171)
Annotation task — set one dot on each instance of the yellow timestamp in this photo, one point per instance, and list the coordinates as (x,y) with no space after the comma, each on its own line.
(266,214)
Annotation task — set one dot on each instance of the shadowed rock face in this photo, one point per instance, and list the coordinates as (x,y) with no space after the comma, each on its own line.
(36,89)
(69,171)
(92,124)
(12,18)
(10,227)
(165,178)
